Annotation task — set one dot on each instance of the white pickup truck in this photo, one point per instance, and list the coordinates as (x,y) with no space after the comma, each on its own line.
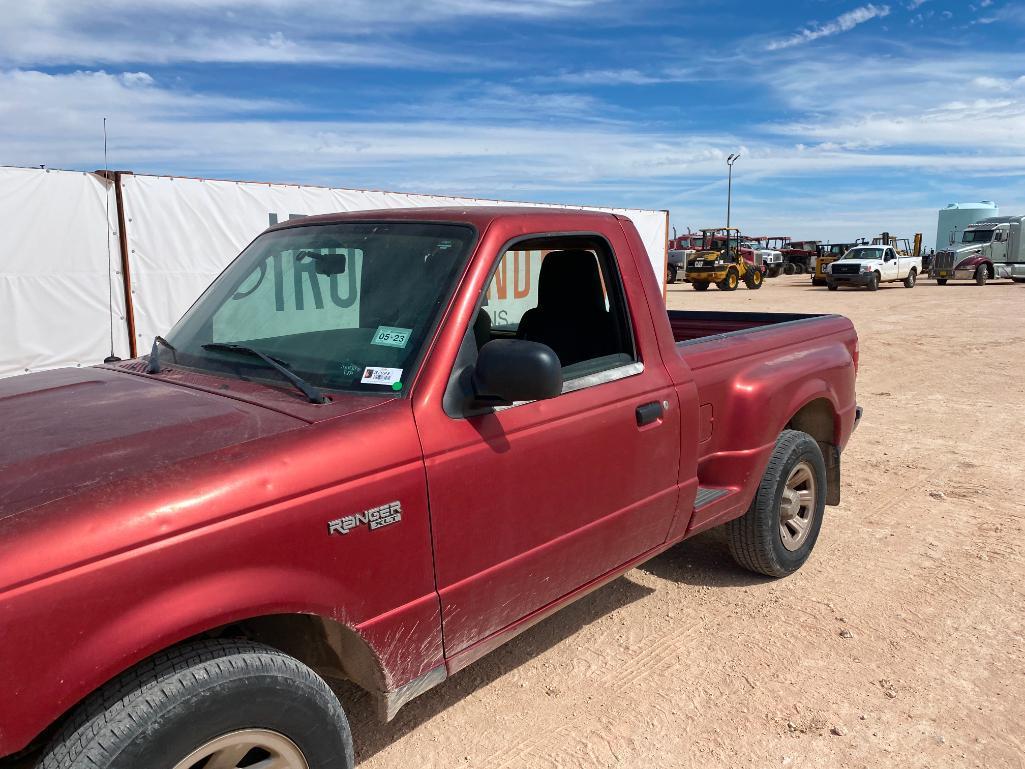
(869,266)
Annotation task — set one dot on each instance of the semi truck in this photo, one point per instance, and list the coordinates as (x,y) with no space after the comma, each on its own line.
(991,248)
(342,465)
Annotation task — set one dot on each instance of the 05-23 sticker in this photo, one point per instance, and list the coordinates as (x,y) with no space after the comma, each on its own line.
(391,336)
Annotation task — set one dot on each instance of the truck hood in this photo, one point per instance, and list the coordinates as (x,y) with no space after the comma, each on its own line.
(859,262)
(68,430)
(967,250)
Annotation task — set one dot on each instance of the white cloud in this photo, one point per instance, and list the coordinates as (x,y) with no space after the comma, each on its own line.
(842,23)
(957,102)
(494,148)
(615,77)
(358,32)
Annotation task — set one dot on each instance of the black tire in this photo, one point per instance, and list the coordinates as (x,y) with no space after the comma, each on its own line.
(941,281)
(754,279)
(981,275)
(1018,280)
(700,285)
(789,268)
(730,282)
(775,270)
(819,281)
(832,286)
(754,538)
(158,712)
(671,273)
(799,269)
(873,282)
(911,279)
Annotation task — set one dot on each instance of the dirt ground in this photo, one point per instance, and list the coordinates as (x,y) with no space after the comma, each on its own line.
(899,644)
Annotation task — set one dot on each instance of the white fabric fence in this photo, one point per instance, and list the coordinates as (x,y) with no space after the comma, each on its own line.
(181,233)
(55,281)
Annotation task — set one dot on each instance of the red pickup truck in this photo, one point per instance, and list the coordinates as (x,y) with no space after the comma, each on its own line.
(377,447)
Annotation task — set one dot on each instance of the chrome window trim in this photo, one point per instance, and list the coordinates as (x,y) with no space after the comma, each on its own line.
(591,380)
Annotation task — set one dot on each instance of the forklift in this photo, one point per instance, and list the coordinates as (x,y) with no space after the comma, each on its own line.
(719,261)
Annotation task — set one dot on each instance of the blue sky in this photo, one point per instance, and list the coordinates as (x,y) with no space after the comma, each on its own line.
(850,117)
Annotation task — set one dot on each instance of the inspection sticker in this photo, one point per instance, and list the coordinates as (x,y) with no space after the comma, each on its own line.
(391,336)
(381,376)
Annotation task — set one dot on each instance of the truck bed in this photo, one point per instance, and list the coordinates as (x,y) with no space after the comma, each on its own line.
(691,326)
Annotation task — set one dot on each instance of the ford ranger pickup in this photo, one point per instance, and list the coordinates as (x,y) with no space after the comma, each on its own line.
(378,446)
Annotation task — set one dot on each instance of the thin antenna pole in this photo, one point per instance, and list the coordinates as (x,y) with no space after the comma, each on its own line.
(112,358)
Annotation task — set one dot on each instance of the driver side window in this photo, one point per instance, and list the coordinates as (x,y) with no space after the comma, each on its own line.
(565,293)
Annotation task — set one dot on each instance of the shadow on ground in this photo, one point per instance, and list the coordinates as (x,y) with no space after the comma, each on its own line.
(704,561)
(371,736)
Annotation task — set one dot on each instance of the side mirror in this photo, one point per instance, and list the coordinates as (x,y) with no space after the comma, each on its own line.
(511,370)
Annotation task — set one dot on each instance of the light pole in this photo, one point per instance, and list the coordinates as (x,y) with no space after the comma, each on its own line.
(729,195)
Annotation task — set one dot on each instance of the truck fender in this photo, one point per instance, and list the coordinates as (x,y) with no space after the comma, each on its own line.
(763,403)
(99,653)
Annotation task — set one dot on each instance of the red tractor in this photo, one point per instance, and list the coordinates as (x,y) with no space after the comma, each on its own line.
(799,256)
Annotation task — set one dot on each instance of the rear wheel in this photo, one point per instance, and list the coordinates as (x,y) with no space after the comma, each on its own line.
(911,279)
(777,533)
(941,281)
(730,282)
(981,275)
(700,285)
(789,268)
(223,704)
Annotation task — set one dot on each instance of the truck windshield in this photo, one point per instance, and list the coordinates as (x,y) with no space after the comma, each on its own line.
(977,236)
(346,306)
(864,253)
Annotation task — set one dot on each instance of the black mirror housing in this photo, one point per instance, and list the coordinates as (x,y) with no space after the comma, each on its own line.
(511,370)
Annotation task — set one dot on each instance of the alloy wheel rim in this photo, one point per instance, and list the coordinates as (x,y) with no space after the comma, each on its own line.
(797,507)
(248,748)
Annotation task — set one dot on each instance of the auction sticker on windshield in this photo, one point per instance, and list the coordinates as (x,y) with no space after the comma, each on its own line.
(391,336)
(381,376)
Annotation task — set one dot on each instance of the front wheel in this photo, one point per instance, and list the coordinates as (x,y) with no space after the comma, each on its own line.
(911,279)
(941,281)
(221,703)
(730,282)
(832,286)
(873,282)
(753,279)
(981,275)
(671,273)
(777,533)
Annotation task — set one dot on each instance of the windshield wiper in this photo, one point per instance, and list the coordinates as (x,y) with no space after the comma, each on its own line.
(154,354)
(312,393)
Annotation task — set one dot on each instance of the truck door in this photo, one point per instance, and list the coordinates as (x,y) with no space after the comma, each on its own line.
(892,265)
(532,501)
(999,246)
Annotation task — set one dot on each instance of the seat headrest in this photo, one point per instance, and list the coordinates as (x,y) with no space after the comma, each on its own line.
(570,281)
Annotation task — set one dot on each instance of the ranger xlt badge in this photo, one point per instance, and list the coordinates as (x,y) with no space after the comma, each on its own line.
(374,518)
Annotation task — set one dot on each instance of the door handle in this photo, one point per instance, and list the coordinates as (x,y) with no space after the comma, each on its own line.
(649,412)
